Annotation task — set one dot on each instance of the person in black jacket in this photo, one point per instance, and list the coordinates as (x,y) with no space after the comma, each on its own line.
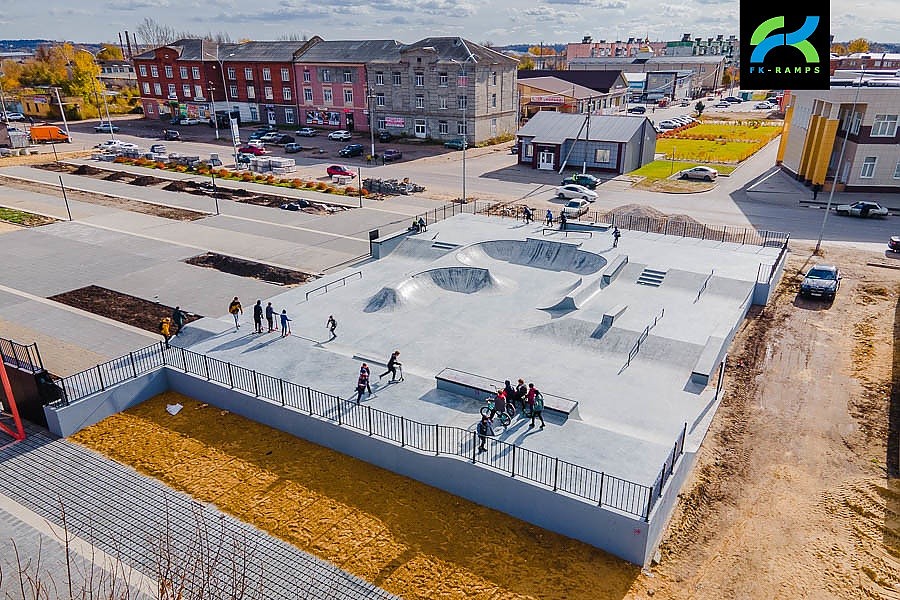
(392,365)
(178,319)
(258,315)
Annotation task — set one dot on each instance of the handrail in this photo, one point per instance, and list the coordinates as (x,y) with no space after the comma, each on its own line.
(566,231)
(644,334)
(342,280)
(703,287)
(587,484)
(21,356)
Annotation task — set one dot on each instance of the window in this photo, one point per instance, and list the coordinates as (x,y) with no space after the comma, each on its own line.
(248,75)
(601,156)
(268,92)
(289,115)
(149,109)
(143,70)
(307,95)
(326,75)
(884,126)
(183,72)
(442,79)
(857,119)
(267,74)
(381,123)
(233,90)
(154,72)
(420,101)
(286,93)
(462,78)
(186,90)
(379,77)
(868,167)
(442,102)
(168,71)
(529,151)
(493,126)
(462,102)
(285,74)
(146,87)
(348,77)
(306,78)
(379,99)
(231,73)
(198,91)
(251,91)
(443,128)
(157,89)
(171,90)
(493,77)
(395,76)
(493,100)
(254,114)
(897,170)
(460,128)
(195,72)
(327,95)
(420,79)
(348,96)
(420,127)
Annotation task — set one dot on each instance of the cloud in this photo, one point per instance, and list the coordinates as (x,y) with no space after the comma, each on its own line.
(610,4)
(135,5)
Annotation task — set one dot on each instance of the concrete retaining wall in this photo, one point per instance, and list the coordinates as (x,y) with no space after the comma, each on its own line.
(386,244)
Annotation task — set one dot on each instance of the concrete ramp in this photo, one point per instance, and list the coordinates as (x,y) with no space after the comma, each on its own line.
(423,287)
(578,296)
(463,280)
(533,252)
(422,249)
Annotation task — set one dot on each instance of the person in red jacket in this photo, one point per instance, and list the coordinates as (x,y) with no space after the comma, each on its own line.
(535,404)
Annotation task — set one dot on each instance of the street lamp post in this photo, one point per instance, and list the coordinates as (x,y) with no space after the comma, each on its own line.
(211,88)
(465,106)
(371,99)
(227,100)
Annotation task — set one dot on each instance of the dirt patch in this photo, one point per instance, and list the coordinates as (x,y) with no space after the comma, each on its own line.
(147,181)
(137,312)
(638,211)
(24,219)
(119,176)
(246,268)
(87,170)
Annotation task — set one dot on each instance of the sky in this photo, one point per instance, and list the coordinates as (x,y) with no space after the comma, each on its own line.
(498,21)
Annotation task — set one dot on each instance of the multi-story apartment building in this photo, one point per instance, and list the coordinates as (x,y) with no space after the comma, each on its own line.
(816,125)
(870,61)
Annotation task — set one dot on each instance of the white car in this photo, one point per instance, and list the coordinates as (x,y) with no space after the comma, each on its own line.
(763,106)
(189,121)
(704,173)
(862,209)
(109,144)
(13,116)
(576,191)
(668,124)
(576,207)
(340,135)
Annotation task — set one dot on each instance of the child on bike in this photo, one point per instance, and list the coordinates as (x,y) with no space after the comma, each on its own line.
(499,403)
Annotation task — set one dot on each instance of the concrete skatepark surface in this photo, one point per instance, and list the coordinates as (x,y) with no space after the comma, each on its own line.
(472,292)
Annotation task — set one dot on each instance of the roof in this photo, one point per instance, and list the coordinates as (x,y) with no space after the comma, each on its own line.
(456,48)
(559,86)
(351,51)
(200,50)
(555,127)
(628,60)
(599,81)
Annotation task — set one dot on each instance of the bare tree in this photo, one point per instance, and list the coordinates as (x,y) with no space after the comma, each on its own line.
(292,37)
(155,34)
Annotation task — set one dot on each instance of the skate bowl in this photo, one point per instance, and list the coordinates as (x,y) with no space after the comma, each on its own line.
(424,286)
(541,254)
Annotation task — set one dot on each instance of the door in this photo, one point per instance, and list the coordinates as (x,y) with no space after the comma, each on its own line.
(420,128)
(545,159)
(270,115)
(349,118)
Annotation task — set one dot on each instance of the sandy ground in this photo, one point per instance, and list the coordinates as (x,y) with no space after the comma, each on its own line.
(790,498)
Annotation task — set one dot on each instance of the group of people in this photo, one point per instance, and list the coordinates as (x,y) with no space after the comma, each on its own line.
(393,365)
(418,225)
(236,310)
(529,399)
(172,326)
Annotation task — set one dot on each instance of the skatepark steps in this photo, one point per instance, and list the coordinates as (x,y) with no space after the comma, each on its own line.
(651,277)
(613,268)
(709,360)
(475,386)
(446,246)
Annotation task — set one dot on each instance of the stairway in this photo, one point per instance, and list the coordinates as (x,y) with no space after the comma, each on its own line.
(651,277)
(444,245)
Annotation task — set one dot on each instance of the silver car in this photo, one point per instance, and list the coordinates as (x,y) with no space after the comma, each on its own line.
(703,173)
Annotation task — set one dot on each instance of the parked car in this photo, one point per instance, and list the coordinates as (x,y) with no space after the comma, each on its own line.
(455,144)
(704,173)
(257,135)
(668,124)
(862,208)
(583,179)
(894,243)
(105,127)
(109,145)
(127,146)
(254,150)
(763,106)
(575,191)
(339,170)
(13,116)
(384,136)
(722,104)
(190,121)
(266,128)
(307,132)
(821,281)
(171,135)
(277,139)
(292,147)
(637,110)
(576,207)
(351,150)
(158,149)
(732,99)
(391,154)
(256,143)
(269,138)
(340,135)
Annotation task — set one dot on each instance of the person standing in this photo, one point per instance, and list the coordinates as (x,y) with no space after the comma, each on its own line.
(258,315)
(562,220)
(521,393)
(364,371)
(178,319)
(485,429)
(361,384)
(422,225)
(616,235)
(331,324)
(165,328)
(270,317)
(285,323)
(236,310)
(499,403)
(535,404)
(816,189)
(392,365)
(549,218)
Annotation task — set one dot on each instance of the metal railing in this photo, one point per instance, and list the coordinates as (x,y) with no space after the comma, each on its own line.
(21,356)
(342,281)
(703,287)
(667,470)
(585,483)
(644,334)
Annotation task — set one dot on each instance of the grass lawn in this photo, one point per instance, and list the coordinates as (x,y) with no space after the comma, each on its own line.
(661,169)
(25,219)
(707,150)
(730,131)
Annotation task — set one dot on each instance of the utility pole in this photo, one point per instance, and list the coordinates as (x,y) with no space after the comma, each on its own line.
(62,111)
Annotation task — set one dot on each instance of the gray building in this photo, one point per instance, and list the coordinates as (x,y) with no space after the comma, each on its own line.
(707,70)
(612,144)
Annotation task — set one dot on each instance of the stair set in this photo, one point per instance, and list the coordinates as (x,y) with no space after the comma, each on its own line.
(651,277)
(444,246)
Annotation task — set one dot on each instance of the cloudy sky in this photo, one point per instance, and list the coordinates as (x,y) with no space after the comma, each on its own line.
(499,21)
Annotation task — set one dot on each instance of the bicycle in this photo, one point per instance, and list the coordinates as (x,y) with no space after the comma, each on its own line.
(505,416)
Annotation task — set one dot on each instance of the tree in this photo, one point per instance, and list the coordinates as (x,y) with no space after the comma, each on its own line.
(858,45)
(110,52)
(155,34)
(699,107)
(839,49)
(82,81)
(726,78)
(526,62)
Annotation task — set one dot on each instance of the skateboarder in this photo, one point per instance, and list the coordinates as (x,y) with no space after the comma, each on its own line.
(331,324)
(616,235)
(392,365)
(178,319)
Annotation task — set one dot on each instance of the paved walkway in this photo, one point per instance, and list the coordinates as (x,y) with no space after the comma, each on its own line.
(122,513)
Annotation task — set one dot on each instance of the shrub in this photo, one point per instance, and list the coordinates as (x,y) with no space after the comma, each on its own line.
(330,189)
(321,185)
(350,190)
(247,176)
(119,159)
(270,179)
(160,165)
(259,178)
(297,183)
(365,192)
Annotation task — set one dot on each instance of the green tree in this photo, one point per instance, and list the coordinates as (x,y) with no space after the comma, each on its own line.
(699,107)
(839,49)
(858,45)
(83,74)
(726,78)
(526,62)
(110,52)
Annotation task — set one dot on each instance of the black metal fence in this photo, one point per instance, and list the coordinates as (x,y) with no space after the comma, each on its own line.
(559,475)
(21,356)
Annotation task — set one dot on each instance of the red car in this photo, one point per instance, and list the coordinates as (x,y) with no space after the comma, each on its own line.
(340,170)
(253,150)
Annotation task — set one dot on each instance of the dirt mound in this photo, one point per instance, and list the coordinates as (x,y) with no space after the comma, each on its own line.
(87,170)
(147,180)
(180,186)
(247,268)
(118,176)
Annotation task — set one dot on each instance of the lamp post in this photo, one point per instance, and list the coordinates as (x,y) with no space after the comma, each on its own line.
(227,99)
(211,88)
(465,105)
(371,99)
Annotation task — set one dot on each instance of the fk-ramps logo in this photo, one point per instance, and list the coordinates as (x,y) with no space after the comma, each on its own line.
(785,49)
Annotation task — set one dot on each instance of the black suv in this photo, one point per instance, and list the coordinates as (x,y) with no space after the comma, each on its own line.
(384,136)
(351,150)
(821,281)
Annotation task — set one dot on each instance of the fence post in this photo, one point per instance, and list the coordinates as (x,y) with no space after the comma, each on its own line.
(513,468)
(281,389)
(402,431)
(100,376)
(308,400)
(12,345)
(649,504)
(369,418)
(724,229)
(704,232)
(744,238)
(474,445)
(666,230)
(183,361)
(437,437)
(600,499)
(338,402)
(133,368)
(255,385)
(206,366)
(230,376)
(555,472)
(684,436)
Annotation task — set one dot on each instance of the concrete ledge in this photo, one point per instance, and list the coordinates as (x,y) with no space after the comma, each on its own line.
(613,268)
(475,386)
(612,314)
(708,361)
